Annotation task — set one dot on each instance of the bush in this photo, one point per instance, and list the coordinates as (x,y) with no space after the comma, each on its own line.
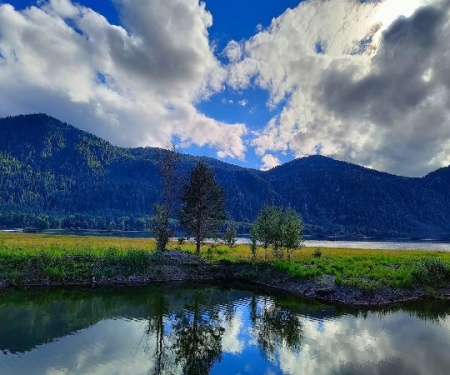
(430,270)
(231,235)
(317,253)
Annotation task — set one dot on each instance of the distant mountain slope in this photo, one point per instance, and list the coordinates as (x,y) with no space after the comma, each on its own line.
(342,197)
(48,168)
(439,181)
(53,174)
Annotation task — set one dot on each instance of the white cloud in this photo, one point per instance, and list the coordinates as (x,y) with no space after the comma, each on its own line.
(243,102)
(233,51)
(357,81)
(231,343)
(135,85)
(269,161)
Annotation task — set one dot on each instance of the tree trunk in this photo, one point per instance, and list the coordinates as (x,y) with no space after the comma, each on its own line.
(198,246)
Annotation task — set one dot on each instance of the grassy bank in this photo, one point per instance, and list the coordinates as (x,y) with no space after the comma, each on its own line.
(70,258)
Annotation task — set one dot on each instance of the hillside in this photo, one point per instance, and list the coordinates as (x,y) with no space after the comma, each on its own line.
(54,175)
(343,198)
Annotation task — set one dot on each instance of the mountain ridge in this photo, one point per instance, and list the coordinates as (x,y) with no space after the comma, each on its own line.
(53,174)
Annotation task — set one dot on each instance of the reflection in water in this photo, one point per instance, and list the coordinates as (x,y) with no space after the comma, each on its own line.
(275,326)
(197,337)
(211,330)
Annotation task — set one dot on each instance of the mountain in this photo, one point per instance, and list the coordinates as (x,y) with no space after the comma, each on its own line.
(52,174)
(55,175)
(344,198)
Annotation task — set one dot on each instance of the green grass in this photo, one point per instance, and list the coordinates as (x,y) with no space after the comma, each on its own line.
(70,258)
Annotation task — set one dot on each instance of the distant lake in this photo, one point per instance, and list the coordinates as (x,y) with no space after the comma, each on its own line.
(199,330)
(388,244)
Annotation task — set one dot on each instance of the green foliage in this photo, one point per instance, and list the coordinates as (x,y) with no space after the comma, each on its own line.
(203,205)
(231,235)
(430,270)
(161,228)
(291,228)
(253,244)
(166,161)
(280,228)
(264,228)
(371,271)
(15,277)
(317,253)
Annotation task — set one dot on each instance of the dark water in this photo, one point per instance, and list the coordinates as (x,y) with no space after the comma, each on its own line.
(198,330)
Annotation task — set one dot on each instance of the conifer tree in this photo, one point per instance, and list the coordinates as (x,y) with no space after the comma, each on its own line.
(203,205)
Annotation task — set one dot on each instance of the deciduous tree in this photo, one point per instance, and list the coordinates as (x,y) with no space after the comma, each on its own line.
(231,235)
(280,228)
(167,161)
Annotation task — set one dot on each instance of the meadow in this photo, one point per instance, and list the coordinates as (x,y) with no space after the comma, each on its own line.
(70,258)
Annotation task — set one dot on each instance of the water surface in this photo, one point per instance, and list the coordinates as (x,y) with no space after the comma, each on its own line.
(178,329)
(430,245)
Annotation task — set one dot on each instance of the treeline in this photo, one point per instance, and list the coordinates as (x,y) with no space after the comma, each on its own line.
(78,221)
(9,220)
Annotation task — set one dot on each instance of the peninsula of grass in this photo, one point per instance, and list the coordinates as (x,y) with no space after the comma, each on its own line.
(37,259)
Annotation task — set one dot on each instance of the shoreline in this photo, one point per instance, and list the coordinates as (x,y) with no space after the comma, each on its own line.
(177,266)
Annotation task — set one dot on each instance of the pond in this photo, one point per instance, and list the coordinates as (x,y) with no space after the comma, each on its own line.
(204,329)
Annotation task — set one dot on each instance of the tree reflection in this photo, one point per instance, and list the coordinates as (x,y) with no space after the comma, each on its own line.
(156,325)
(188,339)
(197,336)
(274,326)
(185,340)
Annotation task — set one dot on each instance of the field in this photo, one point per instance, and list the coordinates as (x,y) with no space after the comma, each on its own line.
(60,257)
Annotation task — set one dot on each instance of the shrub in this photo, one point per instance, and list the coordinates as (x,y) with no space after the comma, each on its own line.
(430,270)
(16,277)
(317,253)
(231,235)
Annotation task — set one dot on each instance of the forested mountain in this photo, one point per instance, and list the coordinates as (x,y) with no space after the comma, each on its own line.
(54,175)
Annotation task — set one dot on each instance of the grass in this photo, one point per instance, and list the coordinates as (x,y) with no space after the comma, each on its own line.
(56,258)
(367,269)
(70,258)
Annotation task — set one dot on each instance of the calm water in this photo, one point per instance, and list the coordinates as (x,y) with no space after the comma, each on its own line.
(386,245)
(210,330)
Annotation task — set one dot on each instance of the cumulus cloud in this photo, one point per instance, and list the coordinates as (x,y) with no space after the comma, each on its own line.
(135,84)
(376,346)
(365,82)
(269,161)
(233,51)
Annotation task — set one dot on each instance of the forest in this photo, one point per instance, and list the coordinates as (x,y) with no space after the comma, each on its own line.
(53,175)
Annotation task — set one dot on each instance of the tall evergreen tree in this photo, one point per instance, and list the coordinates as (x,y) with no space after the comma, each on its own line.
(203,204)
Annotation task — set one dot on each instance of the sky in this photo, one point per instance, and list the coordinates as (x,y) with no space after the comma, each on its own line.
(256,83)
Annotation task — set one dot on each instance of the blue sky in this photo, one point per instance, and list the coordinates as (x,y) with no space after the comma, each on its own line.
(243,81)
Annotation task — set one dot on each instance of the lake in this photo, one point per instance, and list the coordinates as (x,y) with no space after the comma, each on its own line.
(386,244)
(206,329)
